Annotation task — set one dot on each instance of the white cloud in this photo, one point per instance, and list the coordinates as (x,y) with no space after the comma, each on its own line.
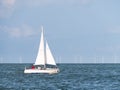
(37,3)
(7,3)
(6,8)
(18,32)
(11,3)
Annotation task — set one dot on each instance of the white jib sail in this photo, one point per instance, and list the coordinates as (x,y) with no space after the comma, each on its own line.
(49,57)
(40,60)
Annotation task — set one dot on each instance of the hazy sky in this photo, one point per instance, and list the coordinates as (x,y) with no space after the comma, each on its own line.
(73,28)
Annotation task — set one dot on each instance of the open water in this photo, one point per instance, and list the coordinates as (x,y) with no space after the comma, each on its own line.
(71,77)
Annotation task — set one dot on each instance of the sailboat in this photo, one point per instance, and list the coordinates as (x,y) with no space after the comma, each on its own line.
(45,62)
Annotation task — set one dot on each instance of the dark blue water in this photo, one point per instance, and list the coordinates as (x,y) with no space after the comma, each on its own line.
(71,77)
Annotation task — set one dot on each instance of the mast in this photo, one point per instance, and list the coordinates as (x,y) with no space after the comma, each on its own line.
(44,48)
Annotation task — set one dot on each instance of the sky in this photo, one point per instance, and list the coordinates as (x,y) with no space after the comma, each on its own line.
(81,31)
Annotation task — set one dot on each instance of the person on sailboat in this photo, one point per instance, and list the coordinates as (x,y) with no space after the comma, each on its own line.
(33,67)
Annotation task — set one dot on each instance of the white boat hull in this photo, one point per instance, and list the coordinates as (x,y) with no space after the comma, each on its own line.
(47,70)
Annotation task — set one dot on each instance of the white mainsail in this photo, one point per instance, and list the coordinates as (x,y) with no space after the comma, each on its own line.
(49,57)
(40,60)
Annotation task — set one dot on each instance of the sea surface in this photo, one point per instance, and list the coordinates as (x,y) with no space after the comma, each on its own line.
(71,77)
